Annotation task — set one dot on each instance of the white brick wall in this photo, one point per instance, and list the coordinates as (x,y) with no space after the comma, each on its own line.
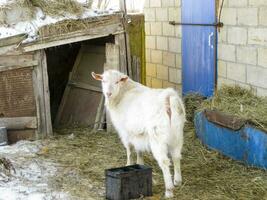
(237,35)
(262,57)
(257,3)
(257,36)
(242,45)
(247,16)
(263,16)
(229,16)
(226,52)
(247,55)
(257,76)
(163,43)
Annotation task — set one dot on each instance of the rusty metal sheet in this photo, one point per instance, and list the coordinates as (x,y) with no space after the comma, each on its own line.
(225,120)
(16,93)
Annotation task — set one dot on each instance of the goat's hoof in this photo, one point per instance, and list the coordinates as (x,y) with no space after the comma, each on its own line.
(177,183)
(168,194)
(127,164)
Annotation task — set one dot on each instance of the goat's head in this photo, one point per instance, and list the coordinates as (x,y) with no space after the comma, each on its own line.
(112,82)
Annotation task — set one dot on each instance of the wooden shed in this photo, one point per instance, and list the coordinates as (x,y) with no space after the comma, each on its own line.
(47,81)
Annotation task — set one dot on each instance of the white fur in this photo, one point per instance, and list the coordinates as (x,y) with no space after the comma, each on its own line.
(140,116)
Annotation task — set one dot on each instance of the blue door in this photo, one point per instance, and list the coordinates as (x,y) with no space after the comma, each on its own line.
(199,47)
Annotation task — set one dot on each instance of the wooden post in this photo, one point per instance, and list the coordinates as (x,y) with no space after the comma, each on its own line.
(115,59)
(125,44)
(42,95)
(46,91)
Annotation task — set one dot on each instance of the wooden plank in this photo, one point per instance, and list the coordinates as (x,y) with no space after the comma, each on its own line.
(102,118)
(84,86)
(119,40)
(13,60)
(134,67)
(225,120)
(99,114)
(112,56)
(16,39)
(39,96)
(138,70)
(7,68)
(67,91)
(74,37)
(46,95)
(128,55)
(53,43)
(80,108)
(19,123)
(72,109)
(6,50)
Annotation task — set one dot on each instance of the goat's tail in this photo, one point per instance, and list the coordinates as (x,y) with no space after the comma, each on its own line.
(178,115)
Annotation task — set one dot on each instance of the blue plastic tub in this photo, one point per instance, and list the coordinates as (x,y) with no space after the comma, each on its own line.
(241,142)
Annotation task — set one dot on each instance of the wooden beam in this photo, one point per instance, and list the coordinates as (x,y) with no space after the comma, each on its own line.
(88,34)
(13,60)
(112,56)
(99,114)
(119,40)
(17,123)
(44,45)
(37,77)
(7,68)
(16,39)
(84,86)
(46,91)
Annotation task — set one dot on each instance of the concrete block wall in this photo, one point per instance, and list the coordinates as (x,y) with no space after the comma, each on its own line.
(163,43)
(242,45)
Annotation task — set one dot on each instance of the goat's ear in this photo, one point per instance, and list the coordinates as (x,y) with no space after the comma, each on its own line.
(98,77)
(124,79)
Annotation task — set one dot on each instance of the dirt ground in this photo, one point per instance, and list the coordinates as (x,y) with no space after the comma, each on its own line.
(71,166)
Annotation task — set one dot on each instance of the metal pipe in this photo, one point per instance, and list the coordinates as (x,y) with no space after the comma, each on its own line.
(219,24)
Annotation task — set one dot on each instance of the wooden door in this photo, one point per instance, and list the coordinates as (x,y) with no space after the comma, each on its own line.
(82,95)
(199,47)
(23,95)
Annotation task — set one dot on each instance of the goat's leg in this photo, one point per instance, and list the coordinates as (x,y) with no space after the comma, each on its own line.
(176,158)
(140,159)
(160,153)
(129,155)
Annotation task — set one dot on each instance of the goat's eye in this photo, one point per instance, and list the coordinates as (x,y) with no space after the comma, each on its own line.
(117,82)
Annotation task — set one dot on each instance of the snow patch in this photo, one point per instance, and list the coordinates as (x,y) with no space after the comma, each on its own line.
(30,181)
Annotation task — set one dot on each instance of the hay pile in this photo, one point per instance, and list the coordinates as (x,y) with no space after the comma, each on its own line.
(192,103)
(58,7)
(241,102)
(207,175)
(17,11)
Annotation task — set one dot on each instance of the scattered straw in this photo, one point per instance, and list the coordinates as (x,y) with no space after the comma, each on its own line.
(207,175)
(241,102)
(192,102)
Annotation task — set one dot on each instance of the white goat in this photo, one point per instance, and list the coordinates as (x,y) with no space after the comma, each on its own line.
(146,119)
